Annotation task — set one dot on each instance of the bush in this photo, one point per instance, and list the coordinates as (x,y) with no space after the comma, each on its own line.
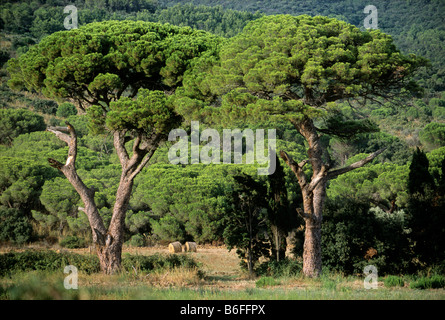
(157,261)
(14,226)
(46,260)
(45,106)
(393,281)
(433,282)
(14,122)
(282,268)
(73,242)
(66,109)
(433,135)
(351,231)
(137,241)
(266,282)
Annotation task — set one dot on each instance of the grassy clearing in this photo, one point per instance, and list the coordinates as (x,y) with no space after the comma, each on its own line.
(186,284)
(215,275)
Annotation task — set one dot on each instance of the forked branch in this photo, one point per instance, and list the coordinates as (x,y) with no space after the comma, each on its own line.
(335,173)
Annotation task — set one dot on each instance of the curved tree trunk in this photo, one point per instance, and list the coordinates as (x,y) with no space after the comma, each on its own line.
(108,242)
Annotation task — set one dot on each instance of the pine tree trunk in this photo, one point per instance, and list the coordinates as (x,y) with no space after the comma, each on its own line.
(109,247)
(312,249)
(110,257)
(314,191)
(312,266)
(109,242)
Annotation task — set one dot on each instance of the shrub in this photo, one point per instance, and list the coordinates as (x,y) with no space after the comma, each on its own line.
(266,282)
(73,242)
(14,122)
(433,282)
(46,260)
(158,261)
(285,267)
(433,135)
(66,109)
(14,226)
(394,281)
(351,231)
(45,106)
(137,241)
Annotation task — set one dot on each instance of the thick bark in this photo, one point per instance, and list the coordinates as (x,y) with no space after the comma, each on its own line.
(314,192)
(109,242)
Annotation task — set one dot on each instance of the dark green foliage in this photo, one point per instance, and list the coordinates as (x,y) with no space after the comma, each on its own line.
(397,151)
(53,261)
(72,242)
(339,126)
(433,282)
(351,231)
(66,109)
(283,268)
(214,19)
(426,209)
(419,178)
(136,240)
(393,281)
(186,203)
(245,223)
(34,146)
(46,260)
(433,135)
(21,182)
(381,184)
(169,228)
(45,106)
(157,261)
(15,226)
(14,122)
(4,56)
(417,26)
(279,218)
(266,282)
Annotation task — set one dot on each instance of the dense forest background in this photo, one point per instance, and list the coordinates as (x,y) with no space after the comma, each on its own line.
(389,213)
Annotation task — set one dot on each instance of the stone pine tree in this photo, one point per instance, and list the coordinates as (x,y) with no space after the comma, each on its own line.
(296,69)
(123,75)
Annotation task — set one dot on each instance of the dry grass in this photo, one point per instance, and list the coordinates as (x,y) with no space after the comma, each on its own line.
(223,280)
(176,277)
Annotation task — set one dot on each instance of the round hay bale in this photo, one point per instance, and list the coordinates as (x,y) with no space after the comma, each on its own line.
(191,246)
(175,247)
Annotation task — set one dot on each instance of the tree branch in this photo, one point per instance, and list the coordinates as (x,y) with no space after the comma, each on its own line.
(319,177)
(142,164)
(57,131)
(303,214)
(145,145)
(297,168)
(119,144)
(69,170)
(334,173)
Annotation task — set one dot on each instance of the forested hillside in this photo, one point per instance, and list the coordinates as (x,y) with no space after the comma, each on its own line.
(387,205)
